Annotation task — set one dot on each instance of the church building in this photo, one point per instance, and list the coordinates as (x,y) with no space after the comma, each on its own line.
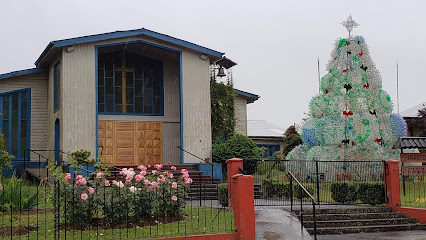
(130,96)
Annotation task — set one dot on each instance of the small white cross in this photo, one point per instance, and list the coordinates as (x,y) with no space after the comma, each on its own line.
(350,24)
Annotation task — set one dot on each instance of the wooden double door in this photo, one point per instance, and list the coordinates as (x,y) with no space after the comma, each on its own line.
(128,143)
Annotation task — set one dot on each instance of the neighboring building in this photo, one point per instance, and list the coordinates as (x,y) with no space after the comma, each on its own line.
(134,95)
(410,115)
(267,135)
(241,100)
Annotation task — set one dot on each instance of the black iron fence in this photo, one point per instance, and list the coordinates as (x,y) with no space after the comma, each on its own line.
(330,182)
(413,185)
(136,204)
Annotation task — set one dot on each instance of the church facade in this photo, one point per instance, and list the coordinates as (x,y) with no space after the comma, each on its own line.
(131,96)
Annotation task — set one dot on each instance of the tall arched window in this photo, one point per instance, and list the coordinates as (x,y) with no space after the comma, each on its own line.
(129,83)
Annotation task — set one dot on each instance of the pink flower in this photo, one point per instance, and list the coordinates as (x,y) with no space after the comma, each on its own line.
(1,187)
(174,185)
(174,198)
(169,162)
(67,177)
(149,166)
(158,166)
(170,175)
(127,182)
(139,178)
(185,175)
(143,172)
(106,183)
(161,178)
(84,196)
(184,170)
(100,174)
(45,179)
(142,167)
(154,172)
(147,182)
(81,181)
(91,190)
(173,168)
(154,184)
(188,181)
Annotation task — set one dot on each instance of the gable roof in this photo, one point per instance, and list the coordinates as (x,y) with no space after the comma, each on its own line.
(121,34)
(414,111)
(410,142)
(262,128)
(251,97)
(22,72)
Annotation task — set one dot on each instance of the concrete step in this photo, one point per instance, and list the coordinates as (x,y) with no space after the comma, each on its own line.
(354,216)
(373,228)
(359,222)
(343,210)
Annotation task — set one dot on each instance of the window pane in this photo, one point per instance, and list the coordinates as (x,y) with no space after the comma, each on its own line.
(118,108)
(129,79)
(5,112)
(148,81)
(138,88)
(15,101)
(129,108)
(109,86)
(23,146)
(109,103)
(138,72)
(118,95)
(5,129)
(101,94)
(101,107)
(100,77)
(24,105)
(23,128)
(129,95)
(118,79)
(157,104)
(138,105)
(15,120)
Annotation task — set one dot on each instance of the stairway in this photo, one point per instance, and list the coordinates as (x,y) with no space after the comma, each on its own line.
(203,186)
(343,220)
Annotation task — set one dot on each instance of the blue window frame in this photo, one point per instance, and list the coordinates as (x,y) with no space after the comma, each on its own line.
(270,150)
(129,83)
(15,107)
(56,86)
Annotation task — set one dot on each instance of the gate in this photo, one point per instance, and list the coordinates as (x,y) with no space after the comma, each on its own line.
(329,182)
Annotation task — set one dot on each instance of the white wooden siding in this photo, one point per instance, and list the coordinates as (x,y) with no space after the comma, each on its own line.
(38,84)
(240,115)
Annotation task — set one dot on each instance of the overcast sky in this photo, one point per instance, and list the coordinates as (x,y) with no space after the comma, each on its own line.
(275,43)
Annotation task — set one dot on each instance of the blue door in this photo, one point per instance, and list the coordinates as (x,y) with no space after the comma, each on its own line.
(57,141)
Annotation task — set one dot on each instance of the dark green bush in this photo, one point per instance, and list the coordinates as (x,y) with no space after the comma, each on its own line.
(274,188)
(296,190)
(222,191)
(344,192)
(238,146)
(371,193)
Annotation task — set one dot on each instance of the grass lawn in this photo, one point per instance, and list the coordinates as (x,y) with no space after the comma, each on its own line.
(197,220)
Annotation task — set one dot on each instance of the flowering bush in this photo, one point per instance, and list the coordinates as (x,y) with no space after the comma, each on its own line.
(138,195)
(81,157)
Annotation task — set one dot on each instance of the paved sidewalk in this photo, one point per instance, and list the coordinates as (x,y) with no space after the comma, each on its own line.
(274,223)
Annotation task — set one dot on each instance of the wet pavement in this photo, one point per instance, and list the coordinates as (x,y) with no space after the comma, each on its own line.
(276,223)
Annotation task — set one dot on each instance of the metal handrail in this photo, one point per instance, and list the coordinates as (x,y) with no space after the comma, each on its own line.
(302,188)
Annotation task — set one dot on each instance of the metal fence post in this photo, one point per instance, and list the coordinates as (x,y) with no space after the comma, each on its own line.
(318,189)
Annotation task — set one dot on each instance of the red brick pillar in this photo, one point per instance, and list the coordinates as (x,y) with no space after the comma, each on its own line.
(243,206)
(392,183)
(232,167)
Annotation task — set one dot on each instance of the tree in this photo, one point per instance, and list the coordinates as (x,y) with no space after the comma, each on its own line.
(351,117)
(421,122)
(222,109)
(291,140)
(5,158)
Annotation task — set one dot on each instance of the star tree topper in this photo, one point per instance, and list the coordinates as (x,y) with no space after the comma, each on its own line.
(350,24)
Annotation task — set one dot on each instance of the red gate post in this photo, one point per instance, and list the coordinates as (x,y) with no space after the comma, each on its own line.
(243,206)
(392,184)
(232,166)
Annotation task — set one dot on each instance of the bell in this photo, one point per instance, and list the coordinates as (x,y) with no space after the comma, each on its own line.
(221,72)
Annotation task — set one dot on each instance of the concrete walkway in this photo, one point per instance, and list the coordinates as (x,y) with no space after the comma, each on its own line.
(276,223)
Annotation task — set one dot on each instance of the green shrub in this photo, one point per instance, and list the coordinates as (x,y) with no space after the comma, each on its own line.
(238,146)
(15,196)
(371,192)
(222,191)
(274,188)
(344,192)
(296,190)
